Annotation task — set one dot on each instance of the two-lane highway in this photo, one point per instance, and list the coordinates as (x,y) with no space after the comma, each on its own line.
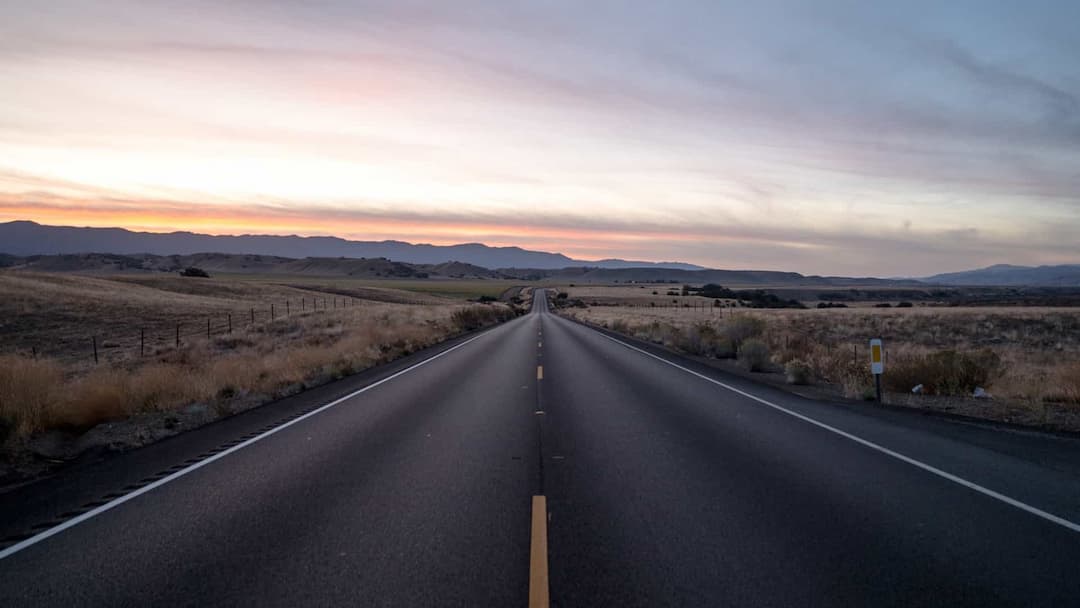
(546,459)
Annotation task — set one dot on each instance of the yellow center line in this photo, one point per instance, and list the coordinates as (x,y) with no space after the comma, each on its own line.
(538,555)
(539,372)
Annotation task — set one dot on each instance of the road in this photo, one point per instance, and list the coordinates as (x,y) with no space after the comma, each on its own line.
(543,460)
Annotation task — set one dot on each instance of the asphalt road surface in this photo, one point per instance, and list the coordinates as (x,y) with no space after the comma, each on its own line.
(545,461)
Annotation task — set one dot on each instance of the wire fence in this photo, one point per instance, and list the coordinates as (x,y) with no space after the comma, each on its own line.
(151,339)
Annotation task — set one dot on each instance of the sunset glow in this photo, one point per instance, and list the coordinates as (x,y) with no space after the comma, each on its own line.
(854,140)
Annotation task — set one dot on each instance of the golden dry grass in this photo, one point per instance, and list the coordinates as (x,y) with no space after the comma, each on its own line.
(227,371)
(60,315)
(1039,348)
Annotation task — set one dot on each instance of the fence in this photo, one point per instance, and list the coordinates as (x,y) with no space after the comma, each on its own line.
(100,347)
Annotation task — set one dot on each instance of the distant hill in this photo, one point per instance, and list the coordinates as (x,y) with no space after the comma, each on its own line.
(225,263)
(373,268)
(1002,275)
(22,238)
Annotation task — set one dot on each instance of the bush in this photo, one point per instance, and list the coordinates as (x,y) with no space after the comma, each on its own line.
(740,328)
(754,355)
(475,317)
(904,305)
(192,271)
(1066,387)
(798,372)
(27,389)
(946,372)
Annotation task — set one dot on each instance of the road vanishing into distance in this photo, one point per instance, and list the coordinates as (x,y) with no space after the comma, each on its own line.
(544,461)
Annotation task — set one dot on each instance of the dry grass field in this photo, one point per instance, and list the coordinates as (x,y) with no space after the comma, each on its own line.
(1026,358)
(326,331)
(460,289)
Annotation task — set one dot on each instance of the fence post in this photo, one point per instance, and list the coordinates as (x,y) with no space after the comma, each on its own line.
(207,328)
(142,341)
(288,310)
(252,316)
(95,349)
(303,306)
(177,335)
(271,311)
(33,351)
(229,315)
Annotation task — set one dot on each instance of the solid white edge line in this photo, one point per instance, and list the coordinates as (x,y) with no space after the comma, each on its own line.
(870,444)
(37,538)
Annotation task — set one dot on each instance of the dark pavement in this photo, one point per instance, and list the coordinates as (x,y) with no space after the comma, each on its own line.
(662,489)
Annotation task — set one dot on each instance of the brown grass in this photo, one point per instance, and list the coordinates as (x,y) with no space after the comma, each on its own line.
(28,391)
(225,373)
(1027,355)
(59,315)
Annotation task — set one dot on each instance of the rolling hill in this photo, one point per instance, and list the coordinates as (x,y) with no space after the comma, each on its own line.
(23,238)
(1002,275)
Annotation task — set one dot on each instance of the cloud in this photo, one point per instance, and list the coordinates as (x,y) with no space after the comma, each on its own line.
(880,139)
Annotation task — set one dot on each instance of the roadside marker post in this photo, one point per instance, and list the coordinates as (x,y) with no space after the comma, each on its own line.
(877,365)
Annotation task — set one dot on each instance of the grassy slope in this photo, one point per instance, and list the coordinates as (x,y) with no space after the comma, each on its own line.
(225,372)
(1039,347)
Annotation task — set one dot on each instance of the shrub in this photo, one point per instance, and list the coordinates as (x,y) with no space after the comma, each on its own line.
(1066,387)
(27,388)
(740,328)
(192,271)
(798,372)
(904,305)
(753,355)
(475,317)
(945,372)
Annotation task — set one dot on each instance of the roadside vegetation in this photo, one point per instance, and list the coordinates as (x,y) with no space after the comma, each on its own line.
(1019,364)
(172,388)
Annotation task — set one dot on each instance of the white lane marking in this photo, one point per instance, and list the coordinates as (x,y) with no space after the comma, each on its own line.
(37,538)
(1075,527)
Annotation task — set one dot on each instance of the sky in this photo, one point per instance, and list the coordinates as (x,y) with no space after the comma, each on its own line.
(826,137)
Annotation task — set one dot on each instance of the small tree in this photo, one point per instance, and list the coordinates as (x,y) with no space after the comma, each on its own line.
(192,271)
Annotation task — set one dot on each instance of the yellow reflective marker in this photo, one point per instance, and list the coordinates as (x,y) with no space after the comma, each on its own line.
(877,363)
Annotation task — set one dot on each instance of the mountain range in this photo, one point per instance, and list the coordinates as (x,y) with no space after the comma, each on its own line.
(74,249)
(1004,275)
(23,238)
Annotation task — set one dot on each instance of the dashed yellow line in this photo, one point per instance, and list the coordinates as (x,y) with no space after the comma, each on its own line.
(539,372)
(538,555)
